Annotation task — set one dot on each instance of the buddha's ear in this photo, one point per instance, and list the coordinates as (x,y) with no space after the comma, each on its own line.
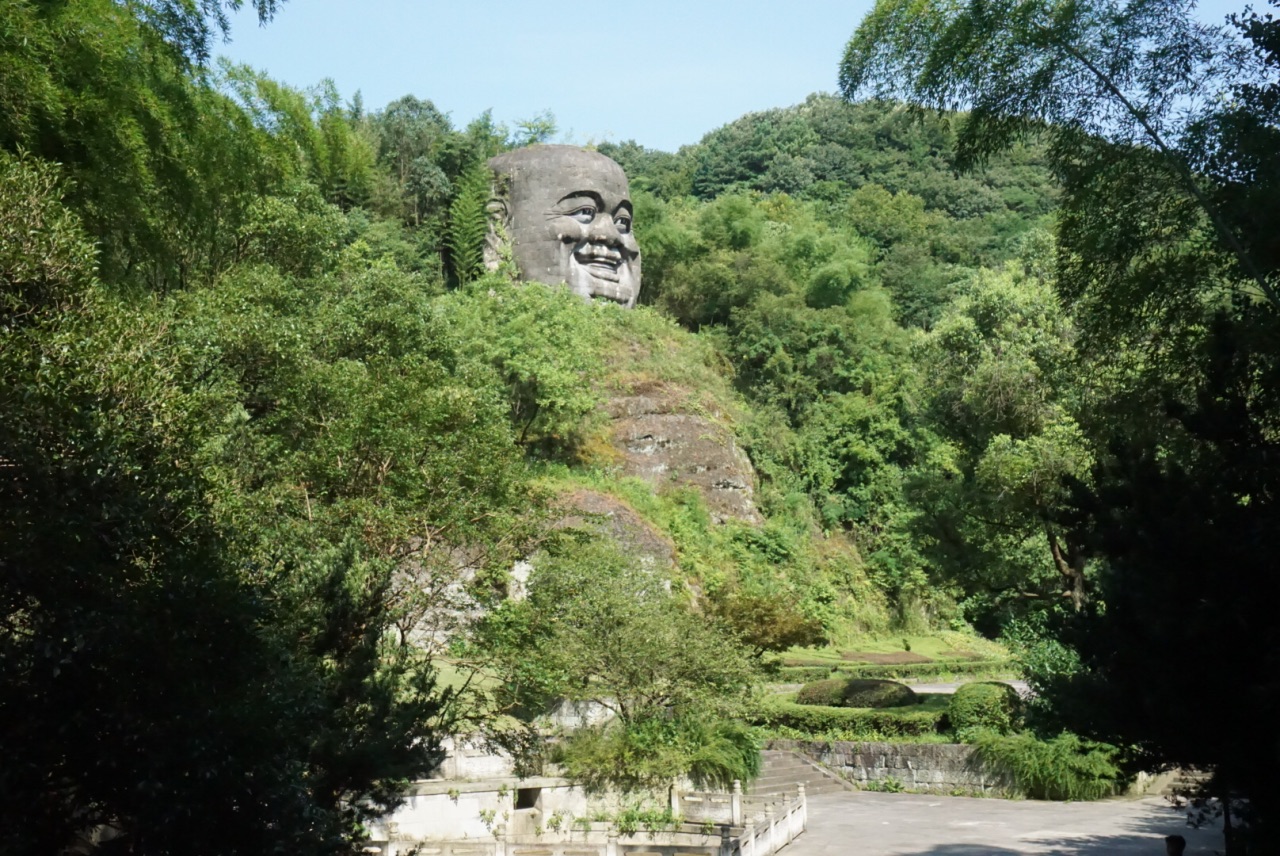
(497,239)
(496,209)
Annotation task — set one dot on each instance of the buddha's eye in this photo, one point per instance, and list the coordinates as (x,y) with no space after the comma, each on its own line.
(623,222)
(585,214)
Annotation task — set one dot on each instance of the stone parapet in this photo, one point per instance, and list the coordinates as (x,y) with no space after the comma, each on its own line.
(936,767)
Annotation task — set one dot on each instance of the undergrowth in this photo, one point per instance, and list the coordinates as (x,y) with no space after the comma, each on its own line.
(1064,768)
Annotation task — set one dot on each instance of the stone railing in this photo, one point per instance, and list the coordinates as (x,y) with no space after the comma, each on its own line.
(737,810)
(714,824)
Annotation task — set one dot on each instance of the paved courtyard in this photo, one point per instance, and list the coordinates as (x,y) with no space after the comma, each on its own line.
(873,824)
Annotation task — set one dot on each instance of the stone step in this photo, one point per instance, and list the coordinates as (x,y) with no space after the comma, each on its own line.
(785,782)
(784,762)
(797,770)
(811,789)
(781,770)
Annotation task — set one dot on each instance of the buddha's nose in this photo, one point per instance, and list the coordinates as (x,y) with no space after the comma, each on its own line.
(606,231)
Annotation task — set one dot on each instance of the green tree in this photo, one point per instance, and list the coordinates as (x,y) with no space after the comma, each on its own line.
(227,520)
(536,129)
(1186,548)
(598,627)
(191,25)
(1134,73)
(162,167)
(413,140)
(544,344)
(469,223)
(1001,362)
(1157,123)
(140,641)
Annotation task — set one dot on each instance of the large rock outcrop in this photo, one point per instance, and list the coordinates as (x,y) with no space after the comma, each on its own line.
(619,522)
(663,437)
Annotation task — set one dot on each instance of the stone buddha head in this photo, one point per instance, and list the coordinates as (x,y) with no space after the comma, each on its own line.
(566,213)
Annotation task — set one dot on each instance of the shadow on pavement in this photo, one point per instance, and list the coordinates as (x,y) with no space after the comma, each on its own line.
(1141,837)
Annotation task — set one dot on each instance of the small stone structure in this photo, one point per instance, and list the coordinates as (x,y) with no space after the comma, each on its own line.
(545,817)
(936,767)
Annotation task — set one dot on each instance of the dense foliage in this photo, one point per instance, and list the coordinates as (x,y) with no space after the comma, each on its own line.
(1166,260)
(810,721)
(1062,768)
(599,630)
(273,439)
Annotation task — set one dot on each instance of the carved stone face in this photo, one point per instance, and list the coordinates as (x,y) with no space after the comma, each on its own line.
(567,213)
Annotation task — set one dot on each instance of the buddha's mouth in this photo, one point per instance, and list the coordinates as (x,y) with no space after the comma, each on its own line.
(600,261)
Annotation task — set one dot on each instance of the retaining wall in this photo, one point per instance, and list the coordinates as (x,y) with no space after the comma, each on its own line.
(938,767)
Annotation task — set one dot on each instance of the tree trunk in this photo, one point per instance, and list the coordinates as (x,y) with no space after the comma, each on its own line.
(1070,563)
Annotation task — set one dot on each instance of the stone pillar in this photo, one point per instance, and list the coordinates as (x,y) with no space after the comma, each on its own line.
(771,820)
(611,848)
(804,808)
(675,799)
(788,816)
(735,804)
(747,844)
(500,842)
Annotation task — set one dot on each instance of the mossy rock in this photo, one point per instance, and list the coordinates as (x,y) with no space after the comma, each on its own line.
(985,706)
(856,692)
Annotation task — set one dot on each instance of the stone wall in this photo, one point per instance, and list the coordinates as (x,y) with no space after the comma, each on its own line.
(937,767)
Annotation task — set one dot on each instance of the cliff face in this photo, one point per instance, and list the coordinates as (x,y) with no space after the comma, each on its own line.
(663,438)
(616,520)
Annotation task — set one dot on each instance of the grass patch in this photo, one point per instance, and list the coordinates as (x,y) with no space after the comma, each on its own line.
(987,669)
(855,654)
(893,658)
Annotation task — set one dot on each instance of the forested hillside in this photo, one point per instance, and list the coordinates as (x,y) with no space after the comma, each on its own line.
(869,299)
(273,441)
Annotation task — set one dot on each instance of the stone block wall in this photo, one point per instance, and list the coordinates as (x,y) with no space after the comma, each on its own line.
(936,767)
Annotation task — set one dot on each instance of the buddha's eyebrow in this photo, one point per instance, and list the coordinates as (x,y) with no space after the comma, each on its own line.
(583,194)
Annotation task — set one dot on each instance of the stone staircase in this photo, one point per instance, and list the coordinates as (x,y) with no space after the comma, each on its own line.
(782,769)
(1186,783)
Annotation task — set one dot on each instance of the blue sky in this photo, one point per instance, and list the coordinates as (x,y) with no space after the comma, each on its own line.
(661,72)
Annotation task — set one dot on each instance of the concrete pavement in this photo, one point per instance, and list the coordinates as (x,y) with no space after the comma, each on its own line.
(952,686)
(874,824)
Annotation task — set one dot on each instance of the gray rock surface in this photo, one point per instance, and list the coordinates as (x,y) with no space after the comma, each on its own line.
(616,520)
(665,442)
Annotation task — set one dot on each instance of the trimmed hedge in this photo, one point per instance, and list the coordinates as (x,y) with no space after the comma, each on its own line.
(880,724)
(807,673)
(856,692)
(804,674)
(984,706)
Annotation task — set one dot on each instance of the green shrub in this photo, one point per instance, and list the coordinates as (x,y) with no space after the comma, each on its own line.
(984,706)
(856,692)
(850,723)
(804,674)
(829,693)
(870,692)
(1064,768)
